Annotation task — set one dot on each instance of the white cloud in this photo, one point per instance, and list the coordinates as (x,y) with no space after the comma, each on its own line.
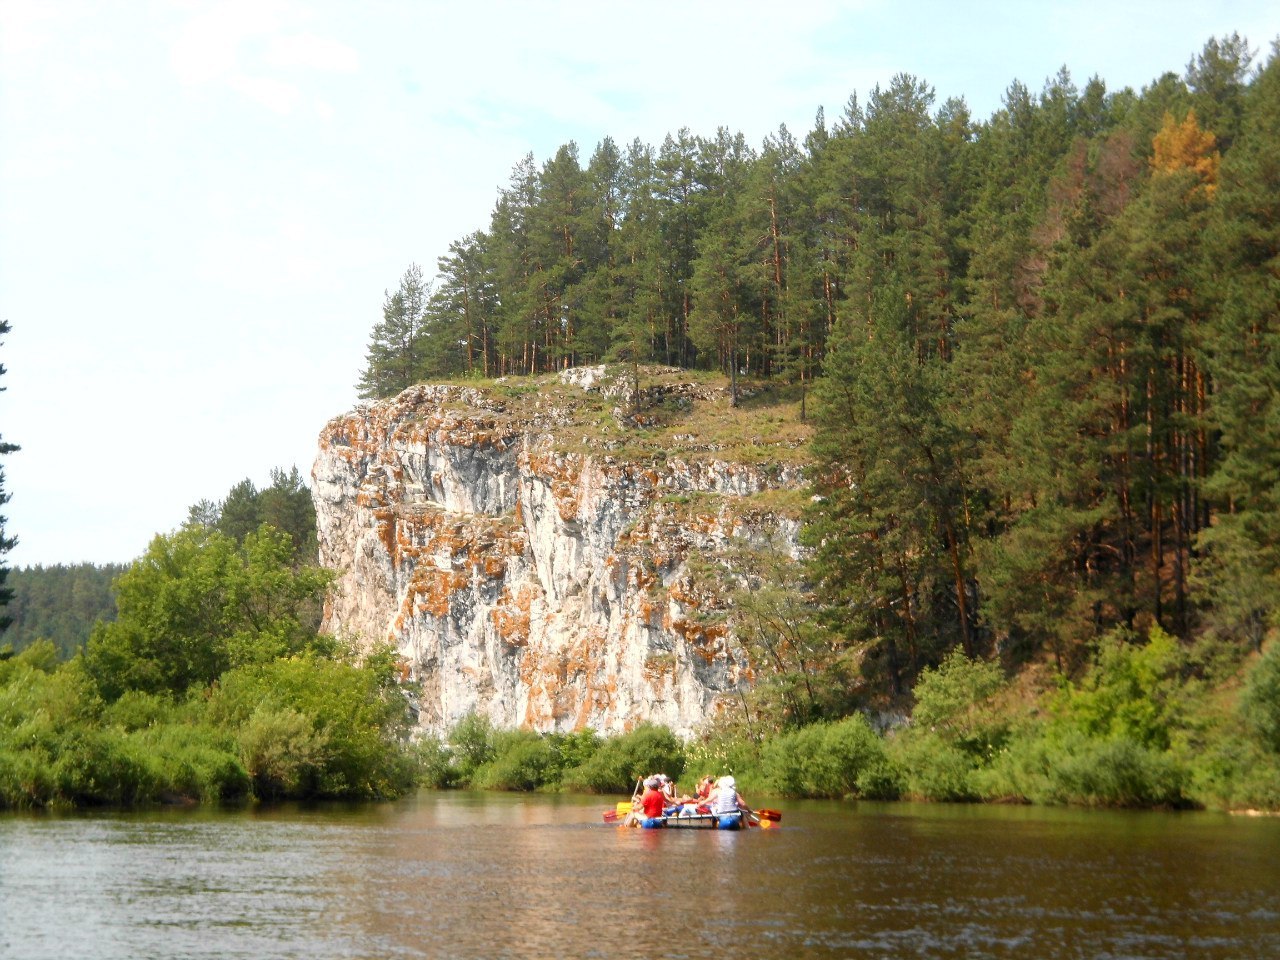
(255,48)
(278,96)
(311,52)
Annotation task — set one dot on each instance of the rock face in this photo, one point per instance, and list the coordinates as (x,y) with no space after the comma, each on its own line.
(527,548)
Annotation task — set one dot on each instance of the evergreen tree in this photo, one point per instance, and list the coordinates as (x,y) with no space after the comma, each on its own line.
(513,265)
(285,505)
(395,355)
(240,512)
(1218,77)
(681,192)
(891,551)
(1240,567)
(7,543)
(461,314)
(602,291)
(640,329)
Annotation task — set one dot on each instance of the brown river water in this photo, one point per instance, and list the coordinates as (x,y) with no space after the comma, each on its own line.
(461,875)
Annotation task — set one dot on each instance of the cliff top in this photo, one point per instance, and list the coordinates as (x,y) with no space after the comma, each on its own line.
(679,413)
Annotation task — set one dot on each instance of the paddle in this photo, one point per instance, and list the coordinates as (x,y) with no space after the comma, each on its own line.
(764,813)
(611,816)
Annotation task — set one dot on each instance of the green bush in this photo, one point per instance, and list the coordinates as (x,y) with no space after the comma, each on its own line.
(1234,772)
(574,749)
(136,710)
(933,768)
(826,759)
(728,748)
(956,702)
(1117,773)
(41,656)
(431,763)
(880,781)
(621,760)
(522,761)
(359,721)
(282,751)
(60,699)
(25,778)
(193,762)
(1260,701)
(1064,766)
(1133,692)
(471,745)
(95,767)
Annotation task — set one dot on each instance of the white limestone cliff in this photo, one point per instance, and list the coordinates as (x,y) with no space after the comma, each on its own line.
(531,562)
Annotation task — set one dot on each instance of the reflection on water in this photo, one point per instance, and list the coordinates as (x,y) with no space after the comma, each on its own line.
(471,876)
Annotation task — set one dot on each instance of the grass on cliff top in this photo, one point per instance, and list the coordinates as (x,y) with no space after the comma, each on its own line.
(693,419)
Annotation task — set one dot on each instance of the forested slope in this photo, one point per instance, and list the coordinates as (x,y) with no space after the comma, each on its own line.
(1044,343)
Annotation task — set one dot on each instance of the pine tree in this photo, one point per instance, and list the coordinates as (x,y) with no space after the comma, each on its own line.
(7,543)
(1240,567)
(512,264)
(681,193)
(601,294)
(891,546)
(395,355)
(460,314)
(1218,77)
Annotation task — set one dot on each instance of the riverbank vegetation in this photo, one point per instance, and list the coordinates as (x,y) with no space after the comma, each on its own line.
(1143,726)
(212,684)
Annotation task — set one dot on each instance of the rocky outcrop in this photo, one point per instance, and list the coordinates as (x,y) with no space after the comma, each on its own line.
(527,547)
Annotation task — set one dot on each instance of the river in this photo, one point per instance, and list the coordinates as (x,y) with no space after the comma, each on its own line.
(462,875)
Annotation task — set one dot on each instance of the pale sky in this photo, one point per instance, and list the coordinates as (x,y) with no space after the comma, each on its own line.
(202,203)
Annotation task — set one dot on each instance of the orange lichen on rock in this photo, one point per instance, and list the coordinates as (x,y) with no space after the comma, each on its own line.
(562,474)
(385,524)
(698,634)
(562,685)
(651,613)
(430,588)
(680,591)
(511,614)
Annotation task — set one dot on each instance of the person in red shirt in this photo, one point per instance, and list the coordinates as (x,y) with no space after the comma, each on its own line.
(652,800)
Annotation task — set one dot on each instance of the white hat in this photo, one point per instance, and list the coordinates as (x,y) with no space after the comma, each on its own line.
(727,782)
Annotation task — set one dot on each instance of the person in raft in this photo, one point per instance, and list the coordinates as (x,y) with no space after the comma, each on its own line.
(705,786)
(653,800)
(726,800)
(690,806)
(671,796)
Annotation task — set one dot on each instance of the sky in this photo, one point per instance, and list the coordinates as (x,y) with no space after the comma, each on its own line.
(202,204)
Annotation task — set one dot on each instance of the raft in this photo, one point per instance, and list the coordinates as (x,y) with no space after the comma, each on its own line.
(705,821)
(763,817)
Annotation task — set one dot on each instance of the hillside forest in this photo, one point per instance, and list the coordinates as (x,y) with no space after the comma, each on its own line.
(1041,347)
(1039,354)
